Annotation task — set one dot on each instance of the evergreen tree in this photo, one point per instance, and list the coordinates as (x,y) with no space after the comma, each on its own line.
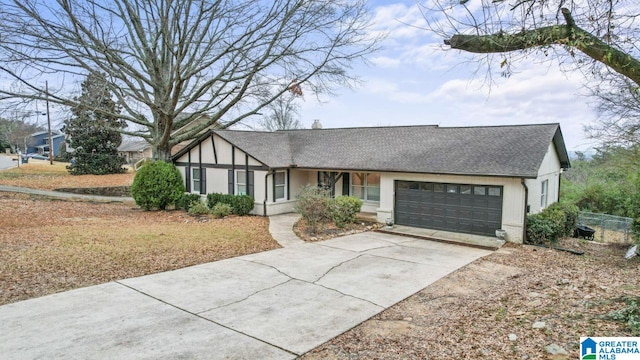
(92,131)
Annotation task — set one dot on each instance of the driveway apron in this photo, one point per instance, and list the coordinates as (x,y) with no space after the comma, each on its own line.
(271,305)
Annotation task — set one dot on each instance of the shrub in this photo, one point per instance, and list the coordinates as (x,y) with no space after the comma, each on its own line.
(635,229)
(221,210)
(198,208)
(157,185)
(570,214)
(547,226)
(313,205)
(240,204)
(343,210)
(187,200)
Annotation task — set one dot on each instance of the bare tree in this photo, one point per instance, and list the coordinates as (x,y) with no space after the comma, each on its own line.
(600,38)
(593,32)
(283,114)
(617,102)
(226,59)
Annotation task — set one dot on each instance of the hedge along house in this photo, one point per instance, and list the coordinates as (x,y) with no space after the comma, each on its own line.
(472,180)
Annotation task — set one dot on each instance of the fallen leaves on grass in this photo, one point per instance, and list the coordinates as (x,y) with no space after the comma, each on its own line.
(47,246)
(473,312)
(39,174)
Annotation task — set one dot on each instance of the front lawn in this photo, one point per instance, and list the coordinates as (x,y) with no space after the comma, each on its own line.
(39,174)
(47,246)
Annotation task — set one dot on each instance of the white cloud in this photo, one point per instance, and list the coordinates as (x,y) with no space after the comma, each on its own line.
(385,62)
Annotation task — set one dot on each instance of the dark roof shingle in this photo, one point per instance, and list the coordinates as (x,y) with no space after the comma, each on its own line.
(514,151)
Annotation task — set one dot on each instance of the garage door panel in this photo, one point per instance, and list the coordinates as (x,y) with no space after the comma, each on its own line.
(473,209)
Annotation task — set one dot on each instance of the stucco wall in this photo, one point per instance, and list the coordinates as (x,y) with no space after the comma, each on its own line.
(549,170)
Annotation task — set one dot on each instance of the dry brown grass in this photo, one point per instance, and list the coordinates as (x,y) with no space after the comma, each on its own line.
(39,174)
(47,246)
(470,313)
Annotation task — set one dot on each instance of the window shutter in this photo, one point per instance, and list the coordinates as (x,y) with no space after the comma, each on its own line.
(203,181)
(231,187)
(345,184)
(187,178)
(250,183)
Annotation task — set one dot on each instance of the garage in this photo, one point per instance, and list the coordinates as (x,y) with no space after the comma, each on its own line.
(465,208)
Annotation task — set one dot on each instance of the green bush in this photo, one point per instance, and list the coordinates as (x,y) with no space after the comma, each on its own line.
(197,207)
(550,225)
(570,212)
(240,204)
(187,200)
(221,210)
(635,229)
(157,185)
(343,210)
(312,205)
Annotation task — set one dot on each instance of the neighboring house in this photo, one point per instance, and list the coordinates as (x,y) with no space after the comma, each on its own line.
(39,142)
(469,179)
(135,150)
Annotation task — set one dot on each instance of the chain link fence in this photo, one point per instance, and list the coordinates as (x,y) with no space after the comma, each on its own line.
(609,228)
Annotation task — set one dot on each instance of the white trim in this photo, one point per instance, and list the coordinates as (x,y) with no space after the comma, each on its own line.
(365,187)
(194,180)
(283,185)
(544,194)
(236,183)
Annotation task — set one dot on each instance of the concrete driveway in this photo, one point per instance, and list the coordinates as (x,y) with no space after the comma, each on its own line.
(272,305)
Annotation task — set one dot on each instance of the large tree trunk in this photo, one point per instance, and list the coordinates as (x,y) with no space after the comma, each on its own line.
(568,35)
(163,153)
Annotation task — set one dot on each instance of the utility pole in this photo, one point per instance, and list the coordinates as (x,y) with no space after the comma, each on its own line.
(46,84)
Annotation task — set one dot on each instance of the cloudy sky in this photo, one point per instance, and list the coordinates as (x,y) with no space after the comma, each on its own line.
(413,82)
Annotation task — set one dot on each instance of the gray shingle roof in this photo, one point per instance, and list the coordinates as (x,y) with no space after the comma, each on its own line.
(134,145)
(514,151)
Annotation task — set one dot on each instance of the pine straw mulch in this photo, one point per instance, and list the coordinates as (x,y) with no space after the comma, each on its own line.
(39,174)
(471,313)
(330,230)
(48,246)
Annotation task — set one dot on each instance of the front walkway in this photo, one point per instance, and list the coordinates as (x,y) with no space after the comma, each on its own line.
(272,305)
(281,229)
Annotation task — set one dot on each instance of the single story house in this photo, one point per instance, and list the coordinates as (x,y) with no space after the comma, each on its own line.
(135,150)
(462,179)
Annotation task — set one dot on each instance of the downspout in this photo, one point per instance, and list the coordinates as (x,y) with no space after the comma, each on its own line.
(559,184)
(266,192)
(526,208)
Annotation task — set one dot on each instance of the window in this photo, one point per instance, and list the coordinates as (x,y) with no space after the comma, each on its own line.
(543,194)
(195,180)
(280,179)
(479,190)
(452,189)
(241,182)
(366,186)
(494,191)
(465,189)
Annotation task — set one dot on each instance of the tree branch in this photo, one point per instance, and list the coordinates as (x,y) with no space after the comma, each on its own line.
(569,35)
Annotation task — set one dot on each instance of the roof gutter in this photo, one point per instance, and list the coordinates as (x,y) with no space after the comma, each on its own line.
(526,208)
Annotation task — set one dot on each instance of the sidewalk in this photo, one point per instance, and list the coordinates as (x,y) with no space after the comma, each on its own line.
(63,195)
